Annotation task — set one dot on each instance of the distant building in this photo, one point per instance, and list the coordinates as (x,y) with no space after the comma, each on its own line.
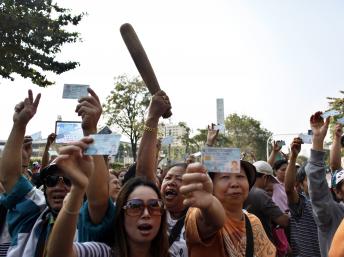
(220,113)
(174,130)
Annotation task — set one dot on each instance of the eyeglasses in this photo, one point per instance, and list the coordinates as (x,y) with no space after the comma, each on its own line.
(52,180)
(136,207)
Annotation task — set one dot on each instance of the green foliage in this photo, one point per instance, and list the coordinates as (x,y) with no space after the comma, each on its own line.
(247,134)
(125,108)
(31,34)
(336,103)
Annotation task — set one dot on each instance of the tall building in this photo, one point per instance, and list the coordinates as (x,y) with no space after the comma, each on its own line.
(220,113)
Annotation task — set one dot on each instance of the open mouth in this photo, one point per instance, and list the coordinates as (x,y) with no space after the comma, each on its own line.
(145,229)
(170,193)
(58,198)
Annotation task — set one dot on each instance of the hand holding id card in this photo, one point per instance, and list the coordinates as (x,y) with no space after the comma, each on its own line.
(221,159)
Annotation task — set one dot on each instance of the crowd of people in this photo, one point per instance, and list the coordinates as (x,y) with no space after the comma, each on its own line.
(75,205)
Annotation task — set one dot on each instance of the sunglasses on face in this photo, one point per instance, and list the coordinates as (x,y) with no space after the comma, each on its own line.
(136,207)
(53,180)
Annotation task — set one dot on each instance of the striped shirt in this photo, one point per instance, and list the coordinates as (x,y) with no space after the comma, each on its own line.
(92,249)
(303,229)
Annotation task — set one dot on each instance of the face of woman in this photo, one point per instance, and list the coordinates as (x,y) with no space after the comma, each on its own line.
(142,228)
(114,187)
(280,173)
(170,189)
(231,188)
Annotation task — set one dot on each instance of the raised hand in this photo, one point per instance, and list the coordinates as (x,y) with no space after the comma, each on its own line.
(51,138)
(197,187)
(338,131)
(212,135)
(76,166)
(25,110)
(90,109)
(160,104)
(319,128)
(276,147)
(295,147)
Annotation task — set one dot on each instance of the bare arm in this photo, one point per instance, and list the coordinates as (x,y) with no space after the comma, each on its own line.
(78,168)
(275,150)
(89,108)
(197,188)
(146,159)
(290,176)
(335,153)
(45,157)
(10,168)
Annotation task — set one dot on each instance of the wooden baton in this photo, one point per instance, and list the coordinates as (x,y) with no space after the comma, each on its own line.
(141,60)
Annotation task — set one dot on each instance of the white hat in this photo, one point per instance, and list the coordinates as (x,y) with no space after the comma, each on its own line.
(265,168)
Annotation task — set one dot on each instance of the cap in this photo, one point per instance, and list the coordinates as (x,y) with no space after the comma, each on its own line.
(265,168)
(50,169)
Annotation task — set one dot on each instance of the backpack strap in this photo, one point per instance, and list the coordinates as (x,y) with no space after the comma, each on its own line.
(249,238)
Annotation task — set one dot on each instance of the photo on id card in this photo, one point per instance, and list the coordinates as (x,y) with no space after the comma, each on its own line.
(217,159)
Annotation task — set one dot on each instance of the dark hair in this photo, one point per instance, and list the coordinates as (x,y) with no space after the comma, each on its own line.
(179,165)
(277,165)
(159,245)
(130,173)
(301,174)
(250,171)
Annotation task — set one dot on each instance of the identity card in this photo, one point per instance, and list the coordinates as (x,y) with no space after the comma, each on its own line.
(306,139)
(221,159)
(330,113)
(104,144)
(74,91)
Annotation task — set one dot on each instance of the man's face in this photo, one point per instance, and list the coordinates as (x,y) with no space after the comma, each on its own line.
(55,194)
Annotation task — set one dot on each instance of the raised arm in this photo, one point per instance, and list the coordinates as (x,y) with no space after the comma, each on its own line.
(90,109)
(321,198)
(146,158)
(290,176)
(198,192)
(10,167)
(45,157)
(275,150)
(335,152)
(78,168)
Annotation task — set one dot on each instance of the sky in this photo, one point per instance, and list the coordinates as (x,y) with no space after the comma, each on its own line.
(275,61)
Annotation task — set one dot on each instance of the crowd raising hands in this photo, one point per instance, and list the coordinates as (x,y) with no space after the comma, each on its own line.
(77,206)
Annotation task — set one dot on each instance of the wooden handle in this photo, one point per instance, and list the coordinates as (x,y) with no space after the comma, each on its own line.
(141,60)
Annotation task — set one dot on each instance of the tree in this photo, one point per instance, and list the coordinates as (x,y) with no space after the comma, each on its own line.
(31,34)
(246,133)
(125,108)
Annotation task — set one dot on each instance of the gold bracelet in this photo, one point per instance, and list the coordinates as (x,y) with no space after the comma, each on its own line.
(149,129)
(70,212)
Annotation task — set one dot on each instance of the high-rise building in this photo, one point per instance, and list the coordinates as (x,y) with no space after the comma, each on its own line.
(220,113)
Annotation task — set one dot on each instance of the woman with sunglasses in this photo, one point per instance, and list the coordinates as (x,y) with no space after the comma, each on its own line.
(140,219)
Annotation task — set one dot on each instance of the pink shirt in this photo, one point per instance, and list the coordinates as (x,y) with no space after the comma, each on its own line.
(280,197)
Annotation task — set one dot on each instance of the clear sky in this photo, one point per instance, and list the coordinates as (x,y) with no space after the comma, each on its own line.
(275,61)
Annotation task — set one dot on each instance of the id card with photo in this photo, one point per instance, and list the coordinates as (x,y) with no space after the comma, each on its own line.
(68,131)
(104,144)
(221,159)
(330,113)
(74,91)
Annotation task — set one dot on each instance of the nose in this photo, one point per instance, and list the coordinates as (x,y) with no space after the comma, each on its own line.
(145,213)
